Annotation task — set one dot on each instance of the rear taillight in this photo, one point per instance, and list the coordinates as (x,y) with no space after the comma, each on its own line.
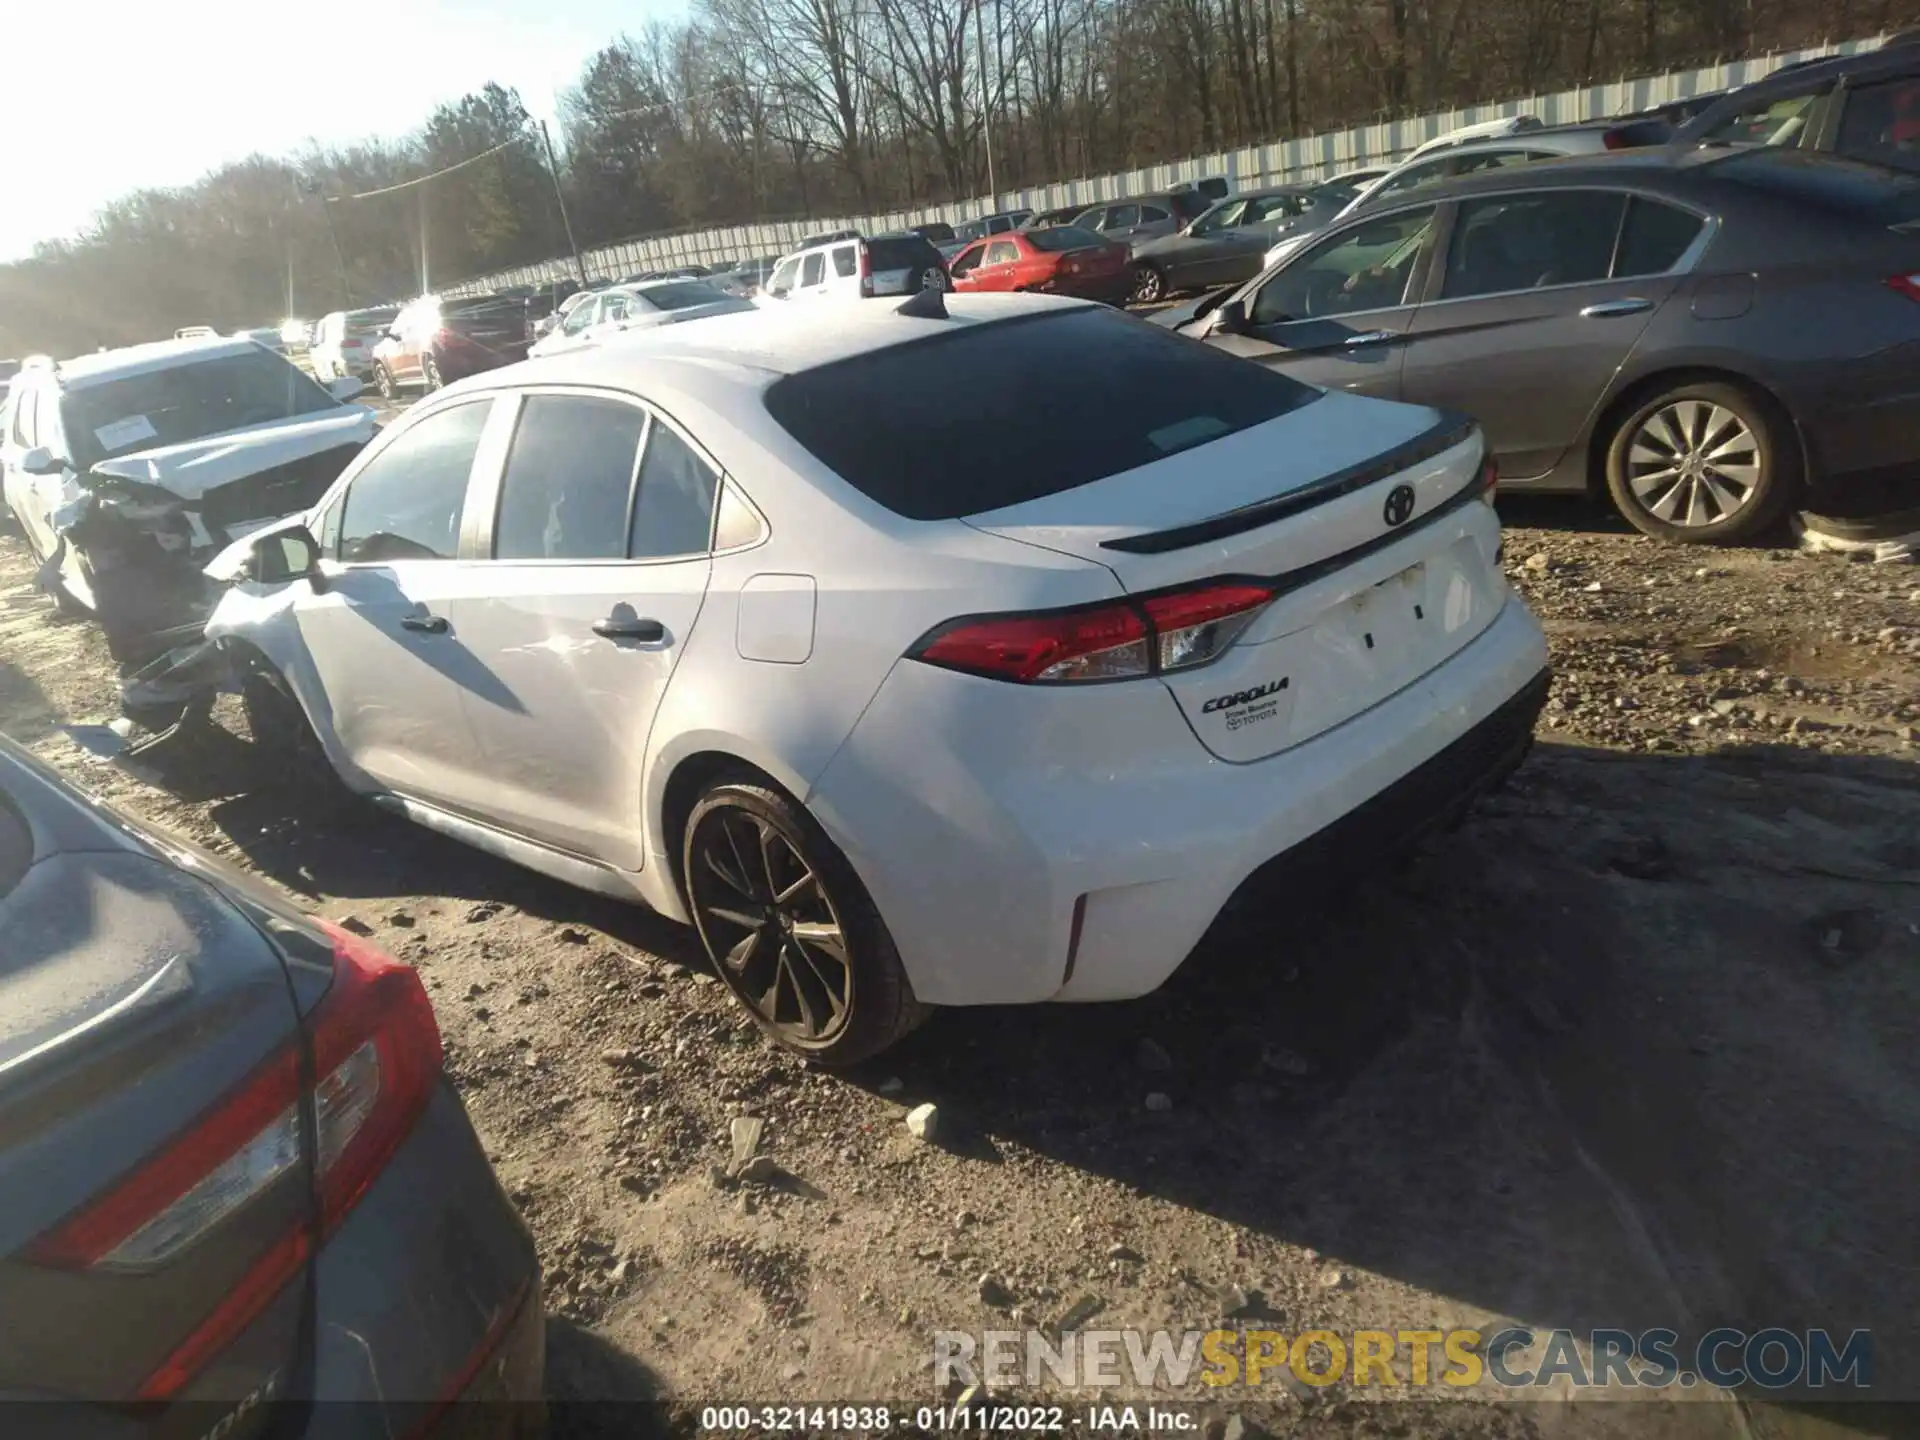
(1907,285)
(1489,479)
(1617,140)
(376,1053)
(866,273)
(1176,630)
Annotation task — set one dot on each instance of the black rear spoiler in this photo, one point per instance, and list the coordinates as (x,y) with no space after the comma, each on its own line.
(1447,432)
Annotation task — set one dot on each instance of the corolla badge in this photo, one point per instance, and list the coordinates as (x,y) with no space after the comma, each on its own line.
(1399,507)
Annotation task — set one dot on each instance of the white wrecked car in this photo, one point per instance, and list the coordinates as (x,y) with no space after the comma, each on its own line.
(130,469)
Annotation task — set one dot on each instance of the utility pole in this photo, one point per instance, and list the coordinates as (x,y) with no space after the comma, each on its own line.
(986,105)
(339,255)
(553,171)
(424,289)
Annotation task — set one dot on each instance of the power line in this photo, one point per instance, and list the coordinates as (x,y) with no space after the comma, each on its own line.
(423,179)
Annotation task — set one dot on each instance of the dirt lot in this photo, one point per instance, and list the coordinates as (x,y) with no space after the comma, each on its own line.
(1636,1046)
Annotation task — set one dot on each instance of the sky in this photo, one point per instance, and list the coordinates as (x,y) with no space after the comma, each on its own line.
(112,95)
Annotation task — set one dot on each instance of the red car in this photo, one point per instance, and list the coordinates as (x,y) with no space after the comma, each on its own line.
(1060,260)
(433,342)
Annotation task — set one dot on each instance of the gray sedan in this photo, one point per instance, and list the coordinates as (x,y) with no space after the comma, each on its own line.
(232,1171)
(1711,337)
(1224,246)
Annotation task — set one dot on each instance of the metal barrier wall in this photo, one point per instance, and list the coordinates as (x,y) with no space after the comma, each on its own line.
(1282,161)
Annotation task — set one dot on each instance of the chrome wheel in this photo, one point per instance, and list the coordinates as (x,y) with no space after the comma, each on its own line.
(934,279)
(1148,285)
(1693,463)
(383,381)
(767,919)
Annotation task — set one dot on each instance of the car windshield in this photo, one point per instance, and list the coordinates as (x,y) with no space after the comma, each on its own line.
(885,420)
(1851,188)
(1063,237)
(679,295)
(185,402)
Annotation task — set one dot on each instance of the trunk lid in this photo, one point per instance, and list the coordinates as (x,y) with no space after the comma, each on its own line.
(1371,595)
(132,998)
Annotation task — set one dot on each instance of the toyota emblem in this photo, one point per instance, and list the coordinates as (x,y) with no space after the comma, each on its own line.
(1399,507)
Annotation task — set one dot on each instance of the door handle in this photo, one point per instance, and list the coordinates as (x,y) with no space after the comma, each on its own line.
(1373,337)
(430,624)
(647,631)
(1607,308)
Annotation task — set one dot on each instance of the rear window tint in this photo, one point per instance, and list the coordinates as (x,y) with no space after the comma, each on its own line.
(901,253)
(886,421)
(1654,238)
(1063,237)
(1847,188)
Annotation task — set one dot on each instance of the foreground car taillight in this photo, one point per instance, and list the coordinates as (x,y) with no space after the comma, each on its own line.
(376,1053)
(1175,630)
(1489,479)
(1907,285)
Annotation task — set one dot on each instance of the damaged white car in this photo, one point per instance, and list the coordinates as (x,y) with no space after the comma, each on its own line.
(130,469)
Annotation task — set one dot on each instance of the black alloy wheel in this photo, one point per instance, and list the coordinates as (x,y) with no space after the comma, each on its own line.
(790,929)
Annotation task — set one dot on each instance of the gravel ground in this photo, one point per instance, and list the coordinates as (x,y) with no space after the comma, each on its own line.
(1635,1046)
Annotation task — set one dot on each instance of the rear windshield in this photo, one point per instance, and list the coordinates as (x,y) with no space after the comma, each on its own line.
(1848,188)
(185,402)
(680,296)
(901,252)
(1063,237)
(1040,415)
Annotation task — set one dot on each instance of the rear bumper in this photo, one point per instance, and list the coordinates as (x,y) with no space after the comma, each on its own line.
(429,1295)
(1111,289)
(994,823)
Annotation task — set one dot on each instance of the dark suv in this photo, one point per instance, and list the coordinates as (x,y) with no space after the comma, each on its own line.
(1863,107)
(434,341)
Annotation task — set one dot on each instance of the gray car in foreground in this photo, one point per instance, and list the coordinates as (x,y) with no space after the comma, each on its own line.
(232,1173)
(1710,336)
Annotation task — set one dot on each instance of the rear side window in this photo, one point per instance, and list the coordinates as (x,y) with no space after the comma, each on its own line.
(1510,243)
(674,514)
(1121,217)
(568,479)
(1882,123)
(844,263)
(406,503)
(1654,238)
(1767,122)
(1848,189)
(1153,215)
(886,423)
(1002,252)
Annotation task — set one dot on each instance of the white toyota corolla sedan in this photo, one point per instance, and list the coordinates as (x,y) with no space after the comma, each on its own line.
(914,657)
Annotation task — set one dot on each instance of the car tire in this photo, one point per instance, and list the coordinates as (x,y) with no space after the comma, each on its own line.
(1149,285)
(749,850)
(932,278)
(430,373)
(1735,465)
(383,382)
(282,734)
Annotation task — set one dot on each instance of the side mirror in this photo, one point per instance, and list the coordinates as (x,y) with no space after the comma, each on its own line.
(1230,318)
(345,387)
(285,555)
(41,461)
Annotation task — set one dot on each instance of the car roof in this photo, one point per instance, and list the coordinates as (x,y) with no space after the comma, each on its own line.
(84,370)
(1660,167)
(1888,60)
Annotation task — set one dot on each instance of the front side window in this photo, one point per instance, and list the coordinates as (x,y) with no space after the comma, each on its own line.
(1522,242)
(1272,207)
(406,503)
(813,270)
(783,274)
(1366,268)
(673,514)
(1122,217)
(968,260)
(581,317)
(568,478)
(1220,217)
(1153,215)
